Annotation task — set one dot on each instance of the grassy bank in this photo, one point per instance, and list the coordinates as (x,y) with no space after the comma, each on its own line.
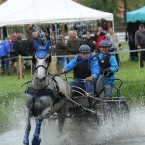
(11,100)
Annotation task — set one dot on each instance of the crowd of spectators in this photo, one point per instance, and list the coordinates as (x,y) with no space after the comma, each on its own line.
(9,50)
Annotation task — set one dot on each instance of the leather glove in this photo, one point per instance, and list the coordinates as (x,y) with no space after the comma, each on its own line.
(91,78)
(63,71)
(106,70)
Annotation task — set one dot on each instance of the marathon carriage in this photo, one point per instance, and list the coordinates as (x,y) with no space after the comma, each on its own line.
(84,105)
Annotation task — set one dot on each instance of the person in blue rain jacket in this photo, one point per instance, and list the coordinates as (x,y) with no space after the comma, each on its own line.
(109,67)
(85,69)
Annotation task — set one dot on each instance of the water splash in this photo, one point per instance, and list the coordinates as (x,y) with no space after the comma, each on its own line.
(128,132)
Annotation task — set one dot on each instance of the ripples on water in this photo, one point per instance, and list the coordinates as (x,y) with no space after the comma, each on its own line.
(129,132)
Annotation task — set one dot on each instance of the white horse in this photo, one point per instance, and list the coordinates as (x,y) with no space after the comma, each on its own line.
(44,95)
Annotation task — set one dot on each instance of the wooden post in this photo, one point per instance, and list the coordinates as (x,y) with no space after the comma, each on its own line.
(20,67)
(31,67)
(63,30)
(139,59)
(13,67)
(120,63)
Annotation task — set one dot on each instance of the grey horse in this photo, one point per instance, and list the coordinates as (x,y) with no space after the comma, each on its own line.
(43,95)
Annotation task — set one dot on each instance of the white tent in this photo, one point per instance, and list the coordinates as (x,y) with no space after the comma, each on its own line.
(17,12)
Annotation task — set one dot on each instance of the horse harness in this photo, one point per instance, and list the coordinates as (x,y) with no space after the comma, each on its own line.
(37,93)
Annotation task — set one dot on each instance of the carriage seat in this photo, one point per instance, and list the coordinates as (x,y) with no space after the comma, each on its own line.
(99,86)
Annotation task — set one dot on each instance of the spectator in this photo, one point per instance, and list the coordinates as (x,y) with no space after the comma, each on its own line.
(74,43)
(88,41)
(109,66)
(98,37)
(85,67)
(20,49)
(70,36)
(111,44)
(115,40)
(29,32)
(40,42)
(31,48)
(12,54)
(4,57)
(140,42)
(61,50)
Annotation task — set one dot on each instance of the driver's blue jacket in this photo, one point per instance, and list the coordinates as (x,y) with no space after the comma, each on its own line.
(113,68)
(94,66)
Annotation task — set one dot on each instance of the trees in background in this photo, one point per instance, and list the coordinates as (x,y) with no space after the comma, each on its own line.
(1,1)
(114,6)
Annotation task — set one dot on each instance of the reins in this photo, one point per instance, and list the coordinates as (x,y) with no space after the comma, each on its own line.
(26,83)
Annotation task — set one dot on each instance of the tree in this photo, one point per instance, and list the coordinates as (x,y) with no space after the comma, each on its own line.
(113,6)
(104,5)
(1,1)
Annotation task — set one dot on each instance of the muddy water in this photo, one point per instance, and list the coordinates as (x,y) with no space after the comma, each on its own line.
(129,132)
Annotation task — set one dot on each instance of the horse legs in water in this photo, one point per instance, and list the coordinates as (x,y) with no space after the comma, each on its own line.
(36,139)
(28,128)
(62,113)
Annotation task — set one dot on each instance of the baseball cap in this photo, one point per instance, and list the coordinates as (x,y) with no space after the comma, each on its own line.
(14,35)
(141,25)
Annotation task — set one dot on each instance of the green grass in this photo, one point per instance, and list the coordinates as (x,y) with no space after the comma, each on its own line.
(132,77)
(11,84)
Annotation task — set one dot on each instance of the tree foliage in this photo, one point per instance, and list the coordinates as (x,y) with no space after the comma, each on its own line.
(1,1)
(114,6)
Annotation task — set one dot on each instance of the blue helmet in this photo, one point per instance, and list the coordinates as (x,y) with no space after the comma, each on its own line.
(104,43)
(84,48)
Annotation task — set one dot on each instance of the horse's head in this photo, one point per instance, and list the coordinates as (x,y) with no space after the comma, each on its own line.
(41,59)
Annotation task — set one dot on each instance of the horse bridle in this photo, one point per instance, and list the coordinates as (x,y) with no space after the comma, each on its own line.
(46,68)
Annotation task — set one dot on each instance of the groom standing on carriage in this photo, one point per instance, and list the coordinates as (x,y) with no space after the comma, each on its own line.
(85,69)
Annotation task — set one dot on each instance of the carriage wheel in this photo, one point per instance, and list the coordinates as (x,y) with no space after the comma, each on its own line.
(100,112)
(78,113)
(108,116)
(109,112)
(123,111)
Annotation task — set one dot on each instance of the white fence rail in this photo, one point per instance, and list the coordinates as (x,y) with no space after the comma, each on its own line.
(121,37)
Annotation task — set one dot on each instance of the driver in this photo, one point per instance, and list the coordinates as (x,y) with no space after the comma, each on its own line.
(109,66)
(85,69)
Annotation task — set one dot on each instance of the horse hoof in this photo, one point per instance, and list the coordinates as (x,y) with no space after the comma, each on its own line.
(25,142)
(36,141)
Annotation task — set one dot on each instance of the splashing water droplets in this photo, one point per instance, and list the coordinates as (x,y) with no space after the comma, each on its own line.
(129,131)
